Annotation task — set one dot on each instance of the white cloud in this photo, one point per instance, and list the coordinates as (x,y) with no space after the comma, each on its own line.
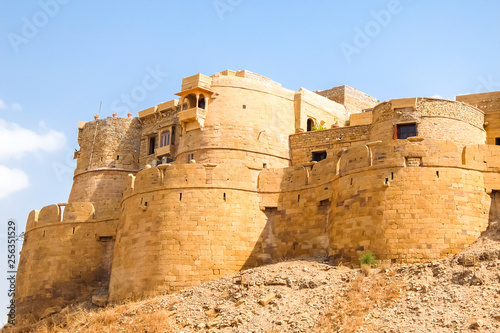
(437,96)
(12,180)
(16,141)
(2,105)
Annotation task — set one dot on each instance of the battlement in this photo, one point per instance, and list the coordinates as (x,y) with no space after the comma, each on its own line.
(191,175)
(74,212)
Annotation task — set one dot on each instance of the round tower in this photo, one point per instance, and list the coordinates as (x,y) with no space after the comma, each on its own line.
(109,151)
(236,118)
(429,118)
(412,194)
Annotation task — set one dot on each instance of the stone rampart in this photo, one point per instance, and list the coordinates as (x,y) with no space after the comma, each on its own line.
(401,201)
(62,260)
(434,118)
(185,224)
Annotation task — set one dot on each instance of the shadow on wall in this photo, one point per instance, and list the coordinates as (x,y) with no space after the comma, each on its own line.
(493,231)
(297,216)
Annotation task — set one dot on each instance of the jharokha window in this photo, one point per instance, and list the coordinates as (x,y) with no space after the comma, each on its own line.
(165,138)
(404,131)
(152,145)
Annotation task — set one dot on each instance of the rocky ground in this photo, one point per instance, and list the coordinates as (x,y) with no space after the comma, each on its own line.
(459,294)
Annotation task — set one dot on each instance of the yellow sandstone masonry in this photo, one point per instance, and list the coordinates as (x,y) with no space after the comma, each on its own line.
(232,175)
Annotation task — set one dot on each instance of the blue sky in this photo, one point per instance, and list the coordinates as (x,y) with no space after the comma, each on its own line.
(60,58)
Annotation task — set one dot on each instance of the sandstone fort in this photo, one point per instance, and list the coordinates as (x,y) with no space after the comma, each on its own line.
(239,172)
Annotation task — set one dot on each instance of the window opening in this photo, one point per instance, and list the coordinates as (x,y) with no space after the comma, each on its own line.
(318,156)
(404,131)
(152,144)
(310,124)
(165,138)
(201,102)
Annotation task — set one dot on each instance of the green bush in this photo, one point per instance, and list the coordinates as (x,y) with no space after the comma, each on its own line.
(367,258)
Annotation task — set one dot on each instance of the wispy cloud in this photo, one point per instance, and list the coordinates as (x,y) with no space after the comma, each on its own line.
(16,141)
(12,180)
(13,106)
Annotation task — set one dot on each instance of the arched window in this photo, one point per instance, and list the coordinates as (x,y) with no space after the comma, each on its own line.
(190,100)
(310,124)
(165,138)
(201,102)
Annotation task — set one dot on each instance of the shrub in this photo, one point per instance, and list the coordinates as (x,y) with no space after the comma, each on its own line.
(367,258)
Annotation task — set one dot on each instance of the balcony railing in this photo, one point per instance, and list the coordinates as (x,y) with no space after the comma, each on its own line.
(162,150)
(192,118)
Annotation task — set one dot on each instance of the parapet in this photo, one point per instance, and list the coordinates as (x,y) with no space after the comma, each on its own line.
(430,118)
(168,176)
(74,212)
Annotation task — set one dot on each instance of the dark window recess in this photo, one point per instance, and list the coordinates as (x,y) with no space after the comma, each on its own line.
(172,141)
(318,156)
(310,124)
(152,144)
(201,103)
(497,141)
(406,130)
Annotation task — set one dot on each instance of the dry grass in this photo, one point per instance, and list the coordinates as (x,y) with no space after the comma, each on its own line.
(366,269)
(348,312)
(151,316)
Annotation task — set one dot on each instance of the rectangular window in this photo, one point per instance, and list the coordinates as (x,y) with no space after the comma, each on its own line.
(190,157)
(497,141)
(165,138)
(152,145)
(318,155)
(404,131)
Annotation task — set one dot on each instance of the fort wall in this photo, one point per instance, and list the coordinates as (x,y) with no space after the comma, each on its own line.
(490,104)
(62,261)
(182,225)
(331,141)
(354,100)
(245,122)
(296,201)
(405,206)
(109,151)
(435,119)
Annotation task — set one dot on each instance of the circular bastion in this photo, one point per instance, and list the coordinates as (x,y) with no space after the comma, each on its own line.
(433,118)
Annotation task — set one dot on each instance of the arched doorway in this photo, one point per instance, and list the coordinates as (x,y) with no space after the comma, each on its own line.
(201,102)
(310,124)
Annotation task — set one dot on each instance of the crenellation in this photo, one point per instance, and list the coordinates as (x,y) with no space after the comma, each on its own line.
(239,172)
